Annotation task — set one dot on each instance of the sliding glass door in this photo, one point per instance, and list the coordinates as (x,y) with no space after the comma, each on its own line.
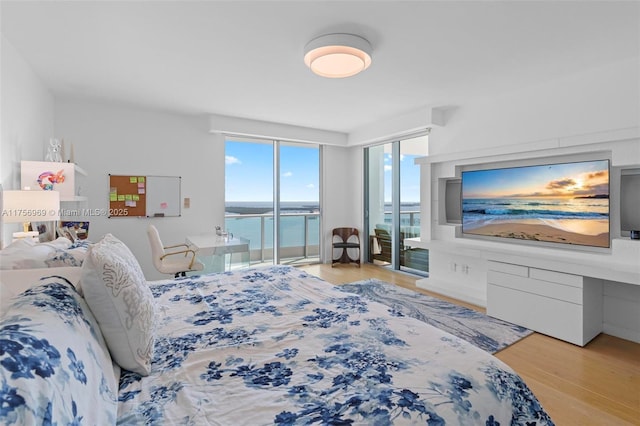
(272,198)
(299,196)
(378,212)
(392,205)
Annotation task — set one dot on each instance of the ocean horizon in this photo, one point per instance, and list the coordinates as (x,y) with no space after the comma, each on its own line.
(485,210)
(247,219)
(263,207)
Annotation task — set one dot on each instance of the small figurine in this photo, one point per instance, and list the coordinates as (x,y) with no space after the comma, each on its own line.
(53,152)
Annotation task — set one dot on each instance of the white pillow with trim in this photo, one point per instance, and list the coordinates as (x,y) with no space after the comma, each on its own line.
(117,293)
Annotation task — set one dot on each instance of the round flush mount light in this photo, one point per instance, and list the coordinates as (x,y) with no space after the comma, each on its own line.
(338,55)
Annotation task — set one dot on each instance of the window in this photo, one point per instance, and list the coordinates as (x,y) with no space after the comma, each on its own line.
(272,198)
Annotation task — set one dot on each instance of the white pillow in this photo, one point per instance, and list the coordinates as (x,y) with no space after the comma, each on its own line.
(116,291)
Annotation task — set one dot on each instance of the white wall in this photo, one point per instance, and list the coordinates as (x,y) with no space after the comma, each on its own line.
(26,117)
(593,101)
(119,139)
(342,192)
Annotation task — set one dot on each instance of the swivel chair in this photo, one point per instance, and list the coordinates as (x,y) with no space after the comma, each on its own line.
(170,260)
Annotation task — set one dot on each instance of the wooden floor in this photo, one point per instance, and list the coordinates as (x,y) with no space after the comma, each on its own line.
(595,385)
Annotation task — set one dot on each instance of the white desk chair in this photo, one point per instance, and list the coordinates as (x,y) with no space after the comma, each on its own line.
(170,260)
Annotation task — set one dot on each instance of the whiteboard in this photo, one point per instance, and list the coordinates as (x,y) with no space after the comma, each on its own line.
(163,196)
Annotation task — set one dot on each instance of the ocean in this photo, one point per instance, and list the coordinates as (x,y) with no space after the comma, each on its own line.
(253,219)
(482,211)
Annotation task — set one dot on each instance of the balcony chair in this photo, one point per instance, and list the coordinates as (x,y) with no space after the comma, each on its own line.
(345,239)
(382,241)
(170,260)
(412,258)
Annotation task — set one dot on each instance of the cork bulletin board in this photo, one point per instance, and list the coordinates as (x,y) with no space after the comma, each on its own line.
(144,196)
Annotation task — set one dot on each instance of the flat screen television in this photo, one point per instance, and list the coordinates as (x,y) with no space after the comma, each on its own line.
(550,204)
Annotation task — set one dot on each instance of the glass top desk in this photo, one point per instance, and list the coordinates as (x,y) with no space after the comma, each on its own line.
(212,249)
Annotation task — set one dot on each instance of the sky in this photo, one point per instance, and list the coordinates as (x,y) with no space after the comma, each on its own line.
(579,179)
(249,172)
(249,176)
(409,179)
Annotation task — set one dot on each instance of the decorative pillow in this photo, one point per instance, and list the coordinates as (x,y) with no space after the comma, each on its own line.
(72,256)
(55,367)
(116,291)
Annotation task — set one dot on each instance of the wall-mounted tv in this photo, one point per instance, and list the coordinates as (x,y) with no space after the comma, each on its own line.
(554,203)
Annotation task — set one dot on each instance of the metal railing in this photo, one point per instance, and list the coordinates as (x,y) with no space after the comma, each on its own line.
(299,235)
(413,217)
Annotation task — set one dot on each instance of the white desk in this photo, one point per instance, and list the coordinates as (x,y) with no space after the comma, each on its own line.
(215,248)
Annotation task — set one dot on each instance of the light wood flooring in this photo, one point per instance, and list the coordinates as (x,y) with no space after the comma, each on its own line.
(595,385)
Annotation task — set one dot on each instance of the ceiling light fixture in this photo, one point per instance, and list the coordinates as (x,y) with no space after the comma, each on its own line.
(338,55)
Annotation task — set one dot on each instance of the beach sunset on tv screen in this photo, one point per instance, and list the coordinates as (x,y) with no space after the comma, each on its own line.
(564,203)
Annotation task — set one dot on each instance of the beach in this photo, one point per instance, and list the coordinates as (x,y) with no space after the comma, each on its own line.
(590,233)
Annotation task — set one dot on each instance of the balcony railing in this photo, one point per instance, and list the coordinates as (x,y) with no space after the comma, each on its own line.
(299,235)
(407,218)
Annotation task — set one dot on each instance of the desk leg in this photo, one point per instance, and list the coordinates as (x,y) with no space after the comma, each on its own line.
(242,263)
(213,263)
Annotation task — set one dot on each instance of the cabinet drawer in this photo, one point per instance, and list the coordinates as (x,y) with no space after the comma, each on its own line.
(509,268)
(556,277)
(543,288)
(544,315)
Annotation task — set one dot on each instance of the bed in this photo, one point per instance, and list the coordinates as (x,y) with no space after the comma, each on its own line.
(25,261)
(28,254)
(270,345)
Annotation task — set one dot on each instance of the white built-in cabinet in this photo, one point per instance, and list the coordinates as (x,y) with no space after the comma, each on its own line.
(561,305)
(565,292)
(567,295)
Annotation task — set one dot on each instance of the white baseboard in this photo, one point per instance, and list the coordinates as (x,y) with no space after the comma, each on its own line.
(621,332)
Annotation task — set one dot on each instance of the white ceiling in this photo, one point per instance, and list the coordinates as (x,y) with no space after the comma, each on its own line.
(244,59)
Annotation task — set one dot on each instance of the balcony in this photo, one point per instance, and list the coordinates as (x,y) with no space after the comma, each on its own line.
(299,236)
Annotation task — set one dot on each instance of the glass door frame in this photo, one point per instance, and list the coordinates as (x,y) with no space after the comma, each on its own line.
(276,199)
(395,201)
(395,196)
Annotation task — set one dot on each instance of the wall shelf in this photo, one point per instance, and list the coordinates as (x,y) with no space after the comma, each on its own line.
(36,174)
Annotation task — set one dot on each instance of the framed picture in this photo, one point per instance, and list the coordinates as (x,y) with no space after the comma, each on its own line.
(46,230)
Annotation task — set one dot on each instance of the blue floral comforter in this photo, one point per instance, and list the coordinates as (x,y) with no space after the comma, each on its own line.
(276,345)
